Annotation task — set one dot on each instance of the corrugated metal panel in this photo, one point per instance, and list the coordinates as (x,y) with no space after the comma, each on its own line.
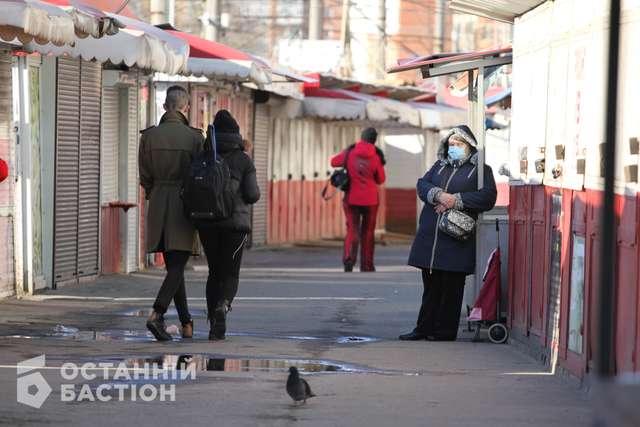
(132,179)
(109,147)
(260,158)
(7,148)
(89,167)
(67,170)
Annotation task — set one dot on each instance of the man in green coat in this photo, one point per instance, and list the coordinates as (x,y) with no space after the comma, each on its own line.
(165,154)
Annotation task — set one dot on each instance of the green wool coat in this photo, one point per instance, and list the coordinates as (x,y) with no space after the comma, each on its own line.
(165,154)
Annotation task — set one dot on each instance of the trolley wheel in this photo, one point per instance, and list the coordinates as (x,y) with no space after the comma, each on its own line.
(498,333)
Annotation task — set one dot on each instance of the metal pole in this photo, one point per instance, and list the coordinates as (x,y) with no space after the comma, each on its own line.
(605,363)
(315,19)
(158,12)
(273,32)
(382,41)
(214,8)
(480,118)
(345,39)
(439,24)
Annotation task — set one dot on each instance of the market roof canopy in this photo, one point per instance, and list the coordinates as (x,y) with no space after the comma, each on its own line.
(500,10)
(341,104)
(137,44)
(216,60)
(403,93)
(443,64)
(35,21)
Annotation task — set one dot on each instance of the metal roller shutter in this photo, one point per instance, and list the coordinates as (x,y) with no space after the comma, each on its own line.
(77,166)
(132,179)
(67,171)
(260,158)
(89,167)
(109,149)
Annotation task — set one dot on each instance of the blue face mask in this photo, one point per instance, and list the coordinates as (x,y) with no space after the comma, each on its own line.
(456,153)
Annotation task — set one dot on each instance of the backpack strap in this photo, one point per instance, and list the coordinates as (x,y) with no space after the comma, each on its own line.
(325,190)
(346,158)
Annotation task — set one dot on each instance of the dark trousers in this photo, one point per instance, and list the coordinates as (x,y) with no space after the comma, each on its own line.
(441,303)
(361,227)
(173,285)
(223,249)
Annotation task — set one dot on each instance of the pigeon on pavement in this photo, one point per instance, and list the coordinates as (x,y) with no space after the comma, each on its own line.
(297,387)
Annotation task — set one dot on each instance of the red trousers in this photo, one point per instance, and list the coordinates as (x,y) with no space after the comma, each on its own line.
(361,225)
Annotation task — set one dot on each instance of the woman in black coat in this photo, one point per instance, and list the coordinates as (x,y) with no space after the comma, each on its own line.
(223,241)
(451,183)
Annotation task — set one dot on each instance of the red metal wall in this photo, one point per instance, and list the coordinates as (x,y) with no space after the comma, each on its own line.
(401,210)
(110,249)
(300,151)
(297,212)
(531,226)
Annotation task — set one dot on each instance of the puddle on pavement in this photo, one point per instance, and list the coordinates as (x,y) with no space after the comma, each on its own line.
(205,362)
(73,333)
(171,312)
(355,340)
(225,363)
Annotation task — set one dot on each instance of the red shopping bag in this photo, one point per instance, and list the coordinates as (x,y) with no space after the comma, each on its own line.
(486,305)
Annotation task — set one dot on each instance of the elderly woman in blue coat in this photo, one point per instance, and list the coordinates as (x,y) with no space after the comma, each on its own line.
(451,183)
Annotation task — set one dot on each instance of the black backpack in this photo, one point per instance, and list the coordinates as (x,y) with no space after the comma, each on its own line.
(207,192)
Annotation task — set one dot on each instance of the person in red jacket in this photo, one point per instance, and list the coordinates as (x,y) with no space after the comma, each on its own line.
(366,171)
(4,170)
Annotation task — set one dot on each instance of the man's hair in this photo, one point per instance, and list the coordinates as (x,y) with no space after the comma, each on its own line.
(177,98)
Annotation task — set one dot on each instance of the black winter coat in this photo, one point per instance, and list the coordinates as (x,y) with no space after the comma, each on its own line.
(243,175)
(433,249)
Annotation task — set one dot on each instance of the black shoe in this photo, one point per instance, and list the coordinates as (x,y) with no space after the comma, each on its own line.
(219,322)
(412,336)
(441,338)
(155,324)
(348,267)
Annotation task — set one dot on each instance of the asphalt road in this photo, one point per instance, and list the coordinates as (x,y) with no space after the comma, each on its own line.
(295,307)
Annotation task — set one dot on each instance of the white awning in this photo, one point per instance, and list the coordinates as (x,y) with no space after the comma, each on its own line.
(500,10)
(138,44)
(380,109)
(228,70)
(438,116)
(334,109)
(32,20)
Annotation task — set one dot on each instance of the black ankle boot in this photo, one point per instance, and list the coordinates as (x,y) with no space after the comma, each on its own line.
(348,267)
(155,324)
(219,322)
(412,336)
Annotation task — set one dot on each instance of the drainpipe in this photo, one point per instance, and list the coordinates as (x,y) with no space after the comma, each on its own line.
(315,19)
(605,362)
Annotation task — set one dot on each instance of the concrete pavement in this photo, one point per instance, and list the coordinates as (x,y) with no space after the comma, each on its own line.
(295,306)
